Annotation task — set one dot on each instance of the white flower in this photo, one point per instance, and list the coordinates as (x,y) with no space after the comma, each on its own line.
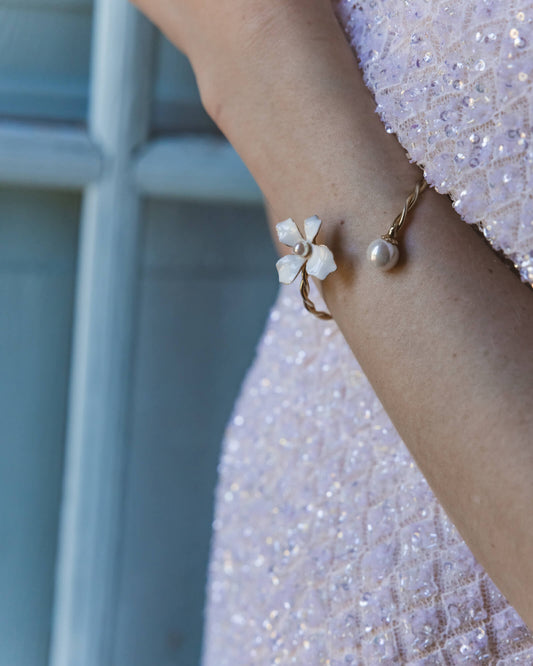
(319,258)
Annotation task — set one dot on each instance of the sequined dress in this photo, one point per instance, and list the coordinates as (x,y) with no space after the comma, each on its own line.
(328,545)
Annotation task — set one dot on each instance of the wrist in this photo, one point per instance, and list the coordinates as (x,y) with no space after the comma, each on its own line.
(296,109)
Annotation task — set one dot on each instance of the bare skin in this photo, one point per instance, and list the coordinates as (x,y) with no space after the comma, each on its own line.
(445,338)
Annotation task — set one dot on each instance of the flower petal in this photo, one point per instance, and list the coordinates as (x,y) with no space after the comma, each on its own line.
(288,232)
(321,262)
(289,266)
(311,226)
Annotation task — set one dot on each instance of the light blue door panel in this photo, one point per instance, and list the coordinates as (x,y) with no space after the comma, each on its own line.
(38,244)
(176,103)
(44,59)
(207,281)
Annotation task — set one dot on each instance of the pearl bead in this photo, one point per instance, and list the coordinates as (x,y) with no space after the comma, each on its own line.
(302,248)
(382,254)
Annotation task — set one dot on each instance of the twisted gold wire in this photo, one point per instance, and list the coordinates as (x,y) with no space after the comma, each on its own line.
(394,229)
(399,220)
(308,303)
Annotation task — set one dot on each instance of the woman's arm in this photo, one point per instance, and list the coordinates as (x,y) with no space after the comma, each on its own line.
(446,338)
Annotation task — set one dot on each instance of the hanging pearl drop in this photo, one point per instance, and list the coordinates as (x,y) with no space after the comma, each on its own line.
(382,254)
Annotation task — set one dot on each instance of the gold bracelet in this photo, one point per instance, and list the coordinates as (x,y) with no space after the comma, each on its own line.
(317,260)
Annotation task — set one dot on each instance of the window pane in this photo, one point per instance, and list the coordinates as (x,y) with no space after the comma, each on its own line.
(207,280)
(176,103)
(37,263)
(44,68)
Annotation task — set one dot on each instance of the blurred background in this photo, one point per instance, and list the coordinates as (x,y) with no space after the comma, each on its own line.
(136,274)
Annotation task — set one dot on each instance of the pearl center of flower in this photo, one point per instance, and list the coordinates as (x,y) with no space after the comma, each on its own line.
(302,248)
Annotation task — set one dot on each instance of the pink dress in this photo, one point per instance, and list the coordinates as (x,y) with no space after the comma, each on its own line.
(328,545)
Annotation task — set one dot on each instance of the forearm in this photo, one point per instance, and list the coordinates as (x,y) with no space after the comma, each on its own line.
(445,339)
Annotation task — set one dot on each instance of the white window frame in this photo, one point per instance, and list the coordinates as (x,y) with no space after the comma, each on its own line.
(114,164)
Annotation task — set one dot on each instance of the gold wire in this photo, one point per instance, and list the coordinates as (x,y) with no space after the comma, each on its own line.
(309,305)
(390,236)
(399,220)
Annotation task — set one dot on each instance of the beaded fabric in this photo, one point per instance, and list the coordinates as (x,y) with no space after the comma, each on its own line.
(329,547)
(454,81)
